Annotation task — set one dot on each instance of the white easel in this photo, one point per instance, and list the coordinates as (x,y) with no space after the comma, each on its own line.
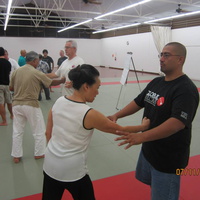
(125,73)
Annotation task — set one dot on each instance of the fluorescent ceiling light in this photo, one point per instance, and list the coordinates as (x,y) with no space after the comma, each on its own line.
(120,27)
(110,13)
(148,22)
(124,8)
(69,27)
(173,17)
(7,14)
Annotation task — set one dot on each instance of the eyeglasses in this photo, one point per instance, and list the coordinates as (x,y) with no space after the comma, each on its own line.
(166,55)
(68,47)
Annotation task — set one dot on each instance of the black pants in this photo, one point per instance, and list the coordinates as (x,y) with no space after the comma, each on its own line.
(47,93)
(80,190)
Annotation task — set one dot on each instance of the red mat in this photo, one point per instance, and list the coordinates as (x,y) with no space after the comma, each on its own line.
(126,187)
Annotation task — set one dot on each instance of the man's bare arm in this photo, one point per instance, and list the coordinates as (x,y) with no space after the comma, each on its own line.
(58,82)
(52,75)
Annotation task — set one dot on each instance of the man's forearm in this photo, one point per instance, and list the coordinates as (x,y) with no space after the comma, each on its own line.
(51,75)
(166,129)
(57,82)
(130,109)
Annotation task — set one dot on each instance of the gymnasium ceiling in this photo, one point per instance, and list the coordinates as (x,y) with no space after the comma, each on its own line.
(57,14)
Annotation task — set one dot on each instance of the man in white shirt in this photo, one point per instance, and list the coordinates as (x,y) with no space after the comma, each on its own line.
(14,64)
(72,61)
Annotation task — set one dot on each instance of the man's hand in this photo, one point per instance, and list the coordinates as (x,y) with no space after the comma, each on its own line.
(68,84)
(129,138)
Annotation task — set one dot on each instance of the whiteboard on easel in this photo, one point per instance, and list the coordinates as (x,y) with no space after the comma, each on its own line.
(126,69)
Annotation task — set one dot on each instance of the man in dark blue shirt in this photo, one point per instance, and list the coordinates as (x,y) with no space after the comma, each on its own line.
(5,95)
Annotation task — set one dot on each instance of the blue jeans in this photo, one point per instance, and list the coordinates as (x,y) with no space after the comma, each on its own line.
(164,186)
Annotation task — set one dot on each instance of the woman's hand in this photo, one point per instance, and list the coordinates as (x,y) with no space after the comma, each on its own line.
(145,123)
(112,118)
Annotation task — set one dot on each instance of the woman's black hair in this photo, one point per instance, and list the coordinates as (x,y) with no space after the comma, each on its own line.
(83,74)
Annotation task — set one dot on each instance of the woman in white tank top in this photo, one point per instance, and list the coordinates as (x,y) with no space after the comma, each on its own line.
(69,130)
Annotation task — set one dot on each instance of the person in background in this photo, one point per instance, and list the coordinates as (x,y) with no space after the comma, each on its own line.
(26,83)
(70,63)
(14,66)
(61,59)
(43,67)
(49,60)
(170,102)
(70,126)
(22,58)
(5,95)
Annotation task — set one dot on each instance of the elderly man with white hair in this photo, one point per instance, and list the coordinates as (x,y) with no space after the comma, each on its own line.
(26,83)
(72,62)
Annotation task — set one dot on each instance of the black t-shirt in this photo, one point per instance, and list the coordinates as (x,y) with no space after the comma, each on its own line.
(49,60)
(5,68)
(60,60)
(161,100)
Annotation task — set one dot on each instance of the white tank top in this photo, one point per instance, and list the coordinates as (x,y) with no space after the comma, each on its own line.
(66,153)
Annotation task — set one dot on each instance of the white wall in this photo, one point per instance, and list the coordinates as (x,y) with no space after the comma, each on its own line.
(190,37)
(111,52)
(88,49)
(145,55)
